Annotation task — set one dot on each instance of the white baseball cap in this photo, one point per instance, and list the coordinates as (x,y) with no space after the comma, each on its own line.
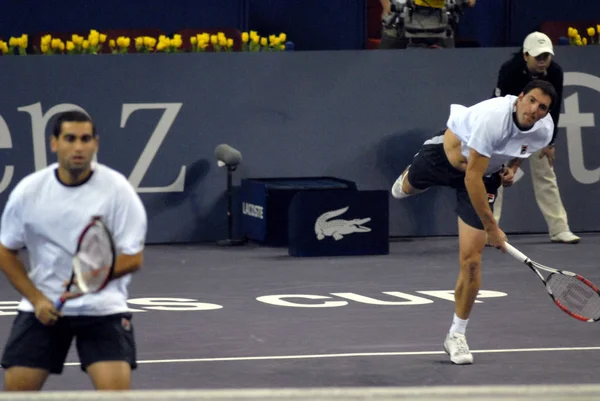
(537,43)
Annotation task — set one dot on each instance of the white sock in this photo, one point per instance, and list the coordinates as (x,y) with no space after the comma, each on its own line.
(397,191)
(458,325)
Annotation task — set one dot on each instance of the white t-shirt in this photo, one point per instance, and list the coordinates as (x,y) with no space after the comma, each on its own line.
(488,128)
(46,217)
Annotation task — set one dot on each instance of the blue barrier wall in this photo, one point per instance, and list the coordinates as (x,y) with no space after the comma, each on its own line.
(357,115)
(30,16)
(526,16)
(313,24)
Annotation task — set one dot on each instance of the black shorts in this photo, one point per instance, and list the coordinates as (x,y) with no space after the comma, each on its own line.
(430,167)
(98,338)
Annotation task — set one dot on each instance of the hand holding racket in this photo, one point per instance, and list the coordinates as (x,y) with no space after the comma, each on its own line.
(572,293)
(93,263)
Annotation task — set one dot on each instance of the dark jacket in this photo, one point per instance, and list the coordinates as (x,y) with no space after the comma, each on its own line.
(514,76)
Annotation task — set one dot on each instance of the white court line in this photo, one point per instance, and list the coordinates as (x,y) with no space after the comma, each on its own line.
(350,355)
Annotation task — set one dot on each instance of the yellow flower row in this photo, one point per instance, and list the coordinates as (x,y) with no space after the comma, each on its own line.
(576,39)
(94,43)
(19,43)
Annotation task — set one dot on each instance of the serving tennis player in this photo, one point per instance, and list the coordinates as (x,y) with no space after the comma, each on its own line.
(480,150)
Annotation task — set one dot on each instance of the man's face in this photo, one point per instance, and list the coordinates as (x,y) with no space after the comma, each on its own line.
(539,64)
(75,146)
(532,107)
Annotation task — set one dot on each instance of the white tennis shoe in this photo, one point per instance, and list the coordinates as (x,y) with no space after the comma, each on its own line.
(456,346)
(565,237)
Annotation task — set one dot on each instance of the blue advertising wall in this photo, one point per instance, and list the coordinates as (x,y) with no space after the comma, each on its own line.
(356,115)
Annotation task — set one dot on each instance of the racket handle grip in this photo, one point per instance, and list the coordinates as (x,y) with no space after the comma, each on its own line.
(516,253)
(59,303)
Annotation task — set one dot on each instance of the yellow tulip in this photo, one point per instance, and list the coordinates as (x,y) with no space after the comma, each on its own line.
(578,42)
(112,43)
(94,33)
(203,45)
(44,48)
(263,41)
(102,37)
(24,40)
(61,46)
(177,42)
(255,38)
(13,42)
(213,39)
(54,43)
(70,46)
(94,40)
(245,37)
(86,44)
(282,37)
(591,31)
(139,41)
(229,42)
(46,40)
(126,42)
(78,40)
(282,47)
(160,46)
(584,41)
(598,29)
(194,40)
(149,42)
(253,33)
(177,37)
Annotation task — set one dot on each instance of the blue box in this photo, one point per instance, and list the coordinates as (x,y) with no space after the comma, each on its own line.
(265,203)
(328,223)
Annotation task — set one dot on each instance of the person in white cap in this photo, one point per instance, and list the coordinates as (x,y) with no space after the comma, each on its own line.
(535,61)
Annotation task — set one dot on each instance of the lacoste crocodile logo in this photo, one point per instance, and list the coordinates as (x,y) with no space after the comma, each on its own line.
(339,227)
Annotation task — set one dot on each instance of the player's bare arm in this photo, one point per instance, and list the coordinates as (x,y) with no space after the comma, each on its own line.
(126,264)
(508,175)
(476,168)
(15,271)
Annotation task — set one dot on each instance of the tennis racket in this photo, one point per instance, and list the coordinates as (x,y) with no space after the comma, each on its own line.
(571,292)
(93,262)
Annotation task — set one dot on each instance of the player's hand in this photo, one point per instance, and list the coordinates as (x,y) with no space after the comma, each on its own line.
(508,177)
(46,312)
(496,238)
(548,152)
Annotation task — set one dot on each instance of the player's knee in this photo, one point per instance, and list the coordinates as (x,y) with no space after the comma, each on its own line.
(471,267)
(24,379)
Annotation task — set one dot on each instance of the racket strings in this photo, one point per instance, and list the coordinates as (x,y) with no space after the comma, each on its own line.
(575,295)
(95,249)
(95,259)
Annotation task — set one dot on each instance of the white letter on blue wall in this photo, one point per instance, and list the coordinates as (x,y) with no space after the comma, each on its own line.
(160,132)
(5,143)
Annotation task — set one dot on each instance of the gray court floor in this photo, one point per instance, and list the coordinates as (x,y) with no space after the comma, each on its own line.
(252,317)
